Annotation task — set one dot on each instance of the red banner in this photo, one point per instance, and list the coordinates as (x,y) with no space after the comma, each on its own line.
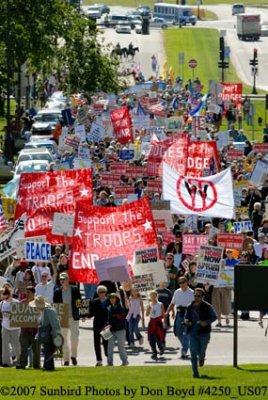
(231,92)
(191,243)
(121,121)
(172,150)
(261,148)
(230,241)
(234,155)
(100,232)
(202,159)
(57,189)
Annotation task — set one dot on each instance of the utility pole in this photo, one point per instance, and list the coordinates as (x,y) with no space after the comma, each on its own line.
(222,64)
(254,69)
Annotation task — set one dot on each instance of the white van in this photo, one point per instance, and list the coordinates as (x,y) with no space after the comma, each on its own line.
(238,8)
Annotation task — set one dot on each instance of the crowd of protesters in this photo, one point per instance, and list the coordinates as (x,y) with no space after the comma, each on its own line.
(121,307)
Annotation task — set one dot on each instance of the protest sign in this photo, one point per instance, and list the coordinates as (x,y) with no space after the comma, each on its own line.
(143,283)
(160,225)
(230,241)
(84,307)
(121,121)
(156,269)
(96,133)
(191,222)
(191,243)
(238,187)
(160,205)
(82,163)
(226,278)
(37,251)
(231,93)
(242,226)
(80,131)
(20,244)
(211,196)
(126,155)
(163,215)
(261,148)
(63,224)
(114,269)
(209,264)
(146,256)
(83,152)
(234,155)
(102,231)
(259,173)
(9,206)
(168,237)
(72,141)
(24,316)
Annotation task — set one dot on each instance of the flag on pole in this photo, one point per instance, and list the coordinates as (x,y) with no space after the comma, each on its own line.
(210,196)
(3,223)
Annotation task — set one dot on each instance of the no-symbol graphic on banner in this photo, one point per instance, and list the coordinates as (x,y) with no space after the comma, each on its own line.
(201,195)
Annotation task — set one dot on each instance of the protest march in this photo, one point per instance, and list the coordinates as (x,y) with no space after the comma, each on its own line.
(147,206)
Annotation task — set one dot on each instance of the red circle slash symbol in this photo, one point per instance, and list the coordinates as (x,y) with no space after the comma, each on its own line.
(196,195)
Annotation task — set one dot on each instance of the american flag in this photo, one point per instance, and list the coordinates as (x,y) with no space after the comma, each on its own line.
(158,110)
(3,223)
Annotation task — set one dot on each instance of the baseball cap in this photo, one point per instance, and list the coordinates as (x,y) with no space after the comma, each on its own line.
(64,275)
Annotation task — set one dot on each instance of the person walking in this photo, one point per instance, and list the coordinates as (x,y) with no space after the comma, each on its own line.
(99,310)
(156,331)
(198,319)
(117,323)
(69,294)
(181,299)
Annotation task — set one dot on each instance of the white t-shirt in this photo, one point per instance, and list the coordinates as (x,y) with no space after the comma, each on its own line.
(156,310)
(47,291)
(37,271)
(5,307)
(182,298)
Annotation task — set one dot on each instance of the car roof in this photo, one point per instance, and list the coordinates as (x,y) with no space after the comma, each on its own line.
(49,111)
(33,151)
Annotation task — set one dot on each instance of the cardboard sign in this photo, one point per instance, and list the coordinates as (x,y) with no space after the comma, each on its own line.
(259,174)
(143,283)
(192,243)
(84,307)
(81,132)
(160,205)
(209,266)
(24,316)
(146,256)
(163,215)
(63,224)
(156,269)
(37,251)
(226,278)
(20,244)
(114,269)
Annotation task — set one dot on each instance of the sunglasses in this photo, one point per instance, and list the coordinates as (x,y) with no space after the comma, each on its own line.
(169,258)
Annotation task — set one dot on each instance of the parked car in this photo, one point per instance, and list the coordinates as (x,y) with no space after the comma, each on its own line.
(264,30)
(45,122)
(57,100)
(31,166)
(123,28)
(35,154)
(138,29)
(238,8)
(144,11)
(134,20)
(116,19)
(43,144)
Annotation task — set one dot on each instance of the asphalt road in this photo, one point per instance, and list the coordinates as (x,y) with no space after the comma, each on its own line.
(252,347)
(241,51)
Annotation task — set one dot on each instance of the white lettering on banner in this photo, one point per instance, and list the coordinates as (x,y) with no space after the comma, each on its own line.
(36,201)
(84,261)
(36,251)
(198,162)
(115,239)
(33,223)
(36,185)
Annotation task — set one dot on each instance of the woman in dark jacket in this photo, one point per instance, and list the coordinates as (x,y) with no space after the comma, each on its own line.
(117,323)
(99,310)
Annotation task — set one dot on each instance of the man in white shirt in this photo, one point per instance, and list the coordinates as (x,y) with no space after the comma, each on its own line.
(260,245)
(182,297)
(46,288)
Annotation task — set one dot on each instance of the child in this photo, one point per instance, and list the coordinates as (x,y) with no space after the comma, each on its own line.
(135,313)
(156,332)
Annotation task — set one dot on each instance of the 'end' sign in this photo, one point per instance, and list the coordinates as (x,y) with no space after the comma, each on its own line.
(37,251)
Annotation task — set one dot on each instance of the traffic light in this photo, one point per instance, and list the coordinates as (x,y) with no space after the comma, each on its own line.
(223,64)
(222,48)
(255,53)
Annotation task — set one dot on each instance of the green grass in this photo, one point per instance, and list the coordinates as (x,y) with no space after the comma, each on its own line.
(157,382)
(203,46)
(136,3)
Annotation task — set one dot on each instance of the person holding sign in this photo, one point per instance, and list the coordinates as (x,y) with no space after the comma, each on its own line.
(198,319)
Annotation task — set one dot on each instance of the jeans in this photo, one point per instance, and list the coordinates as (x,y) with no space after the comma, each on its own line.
(198,346)
(120,337)
(134,328)
(179,330)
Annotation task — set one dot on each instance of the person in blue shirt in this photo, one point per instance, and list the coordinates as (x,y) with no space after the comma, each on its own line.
(230,261)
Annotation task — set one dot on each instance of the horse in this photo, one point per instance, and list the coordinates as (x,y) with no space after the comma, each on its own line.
(132,51)
(117,52)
